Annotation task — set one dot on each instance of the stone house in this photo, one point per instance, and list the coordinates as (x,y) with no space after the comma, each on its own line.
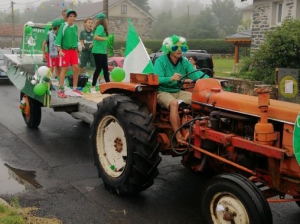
(118,12)
(6,34)
(267,14)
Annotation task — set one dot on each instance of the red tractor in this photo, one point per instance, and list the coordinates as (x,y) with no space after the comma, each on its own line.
(246,141)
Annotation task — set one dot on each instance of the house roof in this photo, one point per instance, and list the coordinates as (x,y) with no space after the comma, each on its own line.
(244,36)
(90,10)
(6,29)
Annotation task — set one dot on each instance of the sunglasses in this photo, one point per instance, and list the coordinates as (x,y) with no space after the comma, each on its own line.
(183,48)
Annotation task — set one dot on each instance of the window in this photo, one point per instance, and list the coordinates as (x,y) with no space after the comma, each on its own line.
(279,13)
(123,9)
(276,13)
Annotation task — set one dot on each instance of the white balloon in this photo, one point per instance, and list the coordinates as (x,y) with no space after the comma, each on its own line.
(29,23)
(33,82)
(43,71)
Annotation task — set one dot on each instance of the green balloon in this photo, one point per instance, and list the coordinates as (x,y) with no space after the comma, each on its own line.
(28,29)
(40,89)
(118,74)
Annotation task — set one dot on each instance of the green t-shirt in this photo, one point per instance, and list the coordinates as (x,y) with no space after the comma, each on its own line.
(87,37)
(99,46)
(67,37)
(165,69)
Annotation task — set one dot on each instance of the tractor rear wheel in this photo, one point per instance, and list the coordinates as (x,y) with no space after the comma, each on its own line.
(125,145)
(232,198)
(31,111)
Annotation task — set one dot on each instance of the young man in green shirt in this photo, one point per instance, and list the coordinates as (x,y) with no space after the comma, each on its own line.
(67,46)
(170,67)
(86,40)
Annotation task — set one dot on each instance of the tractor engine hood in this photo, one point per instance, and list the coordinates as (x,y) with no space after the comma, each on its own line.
(208,95)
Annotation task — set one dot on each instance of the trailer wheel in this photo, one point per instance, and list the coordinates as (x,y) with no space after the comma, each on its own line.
(232,198)
(125,146)
(31,111)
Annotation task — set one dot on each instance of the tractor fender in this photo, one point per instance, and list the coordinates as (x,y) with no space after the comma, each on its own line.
(120,87)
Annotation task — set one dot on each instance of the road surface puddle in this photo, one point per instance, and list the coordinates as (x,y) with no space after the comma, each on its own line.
(13,180)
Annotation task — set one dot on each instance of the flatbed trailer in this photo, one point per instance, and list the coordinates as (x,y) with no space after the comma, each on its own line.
(21,69)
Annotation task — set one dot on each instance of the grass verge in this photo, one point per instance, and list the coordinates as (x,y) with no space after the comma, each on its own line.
(13,214)
(223,66)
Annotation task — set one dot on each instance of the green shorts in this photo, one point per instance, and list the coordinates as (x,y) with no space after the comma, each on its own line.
(164,98)
(86,56)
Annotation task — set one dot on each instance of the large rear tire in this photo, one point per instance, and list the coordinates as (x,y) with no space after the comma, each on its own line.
(125,145)
(31,111)
(232,198)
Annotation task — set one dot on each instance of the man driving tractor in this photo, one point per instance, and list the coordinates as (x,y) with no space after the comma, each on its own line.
(170,68)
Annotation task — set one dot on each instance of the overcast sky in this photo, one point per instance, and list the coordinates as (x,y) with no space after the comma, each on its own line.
(22,4)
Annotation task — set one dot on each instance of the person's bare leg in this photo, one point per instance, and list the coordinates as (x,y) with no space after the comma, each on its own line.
(174,118)
(62,76)
(75,75)
(57,71)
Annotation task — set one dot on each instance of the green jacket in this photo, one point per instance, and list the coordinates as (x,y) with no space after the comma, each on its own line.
(165,69)
(67,37)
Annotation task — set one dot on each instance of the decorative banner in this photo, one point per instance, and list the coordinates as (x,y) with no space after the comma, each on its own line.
(296,139)
(37,36)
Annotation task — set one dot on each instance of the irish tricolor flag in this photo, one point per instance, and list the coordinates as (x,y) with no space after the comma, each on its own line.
(136,59)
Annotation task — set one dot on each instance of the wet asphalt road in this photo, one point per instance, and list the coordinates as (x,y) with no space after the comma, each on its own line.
(59,154)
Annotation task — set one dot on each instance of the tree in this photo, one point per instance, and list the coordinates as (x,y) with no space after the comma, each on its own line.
(281,49)
(143,4)
(205,25)
(164,26)
(245,25)
(228,16)
(190,7)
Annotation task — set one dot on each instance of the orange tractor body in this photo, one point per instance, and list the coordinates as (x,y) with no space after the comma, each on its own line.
(247,140)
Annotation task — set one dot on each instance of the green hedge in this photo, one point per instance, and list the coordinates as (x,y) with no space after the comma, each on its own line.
(212,46)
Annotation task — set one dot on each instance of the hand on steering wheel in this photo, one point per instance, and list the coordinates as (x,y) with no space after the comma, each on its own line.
(204,70)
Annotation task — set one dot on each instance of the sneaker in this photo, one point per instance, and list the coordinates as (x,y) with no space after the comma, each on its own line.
(93,90)
(61,94)
(77,91)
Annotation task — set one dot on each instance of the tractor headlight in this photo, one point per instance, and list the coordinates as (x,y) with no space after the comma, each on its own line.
(139,89)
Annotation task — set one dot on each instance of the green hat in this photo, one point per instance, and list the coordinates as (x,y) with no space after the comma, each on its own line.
(56,23)
(101,16)
(70,11)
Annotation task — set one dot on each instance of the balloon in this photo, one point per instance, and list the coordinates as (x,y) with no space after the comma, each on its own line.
(29,23)
(33,82)
(118,74)
(40,89)
(28,29)
(43,71)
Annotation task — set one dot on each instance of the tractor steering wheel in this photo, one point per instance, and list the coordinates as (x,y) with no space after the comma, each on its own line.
(204,70)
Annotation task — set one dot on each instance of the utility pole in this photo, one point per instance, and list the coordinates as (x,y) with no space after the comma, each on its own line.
(13,24)
(105,7)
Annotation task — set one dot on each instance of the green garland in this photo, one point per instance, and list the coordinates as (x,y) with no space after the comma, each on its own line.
(110,44)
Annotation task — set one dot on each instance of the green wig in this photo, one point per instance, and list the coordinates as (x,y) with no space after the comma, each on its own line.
(171,41)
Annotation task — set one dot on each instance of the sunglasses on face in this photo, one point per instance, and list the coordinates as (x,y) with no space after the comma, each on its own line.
(183,48)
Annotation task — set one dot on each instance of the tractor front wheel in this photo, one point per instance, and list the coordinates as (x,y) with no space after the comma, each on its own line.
(31,111)
(232,198)
(125,145)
